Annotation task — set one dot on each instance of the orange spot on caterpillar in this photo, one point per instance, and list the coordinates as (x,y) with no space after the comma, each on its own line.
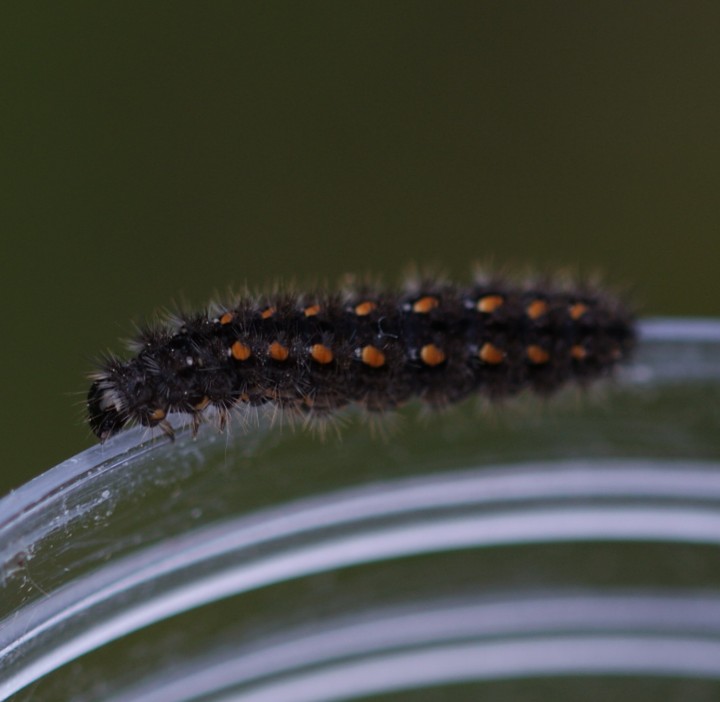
(157,415)
(537,354)
(321,354)
(268,312)
(240,351)
(489,353)
(578,352)
(578,310)
(278,352)
(312,310)
(489,303)
(227,318)
(372,356)
(365,308)
(431,355)
(536,309)
(425,304)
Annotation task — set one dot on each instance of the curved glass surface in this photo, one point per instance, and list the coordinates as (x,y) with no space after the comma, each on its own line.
(570,539)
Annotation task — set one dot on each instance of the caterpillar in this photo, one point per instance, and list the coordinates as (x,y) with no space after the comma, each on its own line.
(313,353)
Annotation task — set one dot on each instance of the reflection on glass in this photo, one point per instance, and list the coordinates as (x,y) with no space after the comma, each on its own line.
(545,539)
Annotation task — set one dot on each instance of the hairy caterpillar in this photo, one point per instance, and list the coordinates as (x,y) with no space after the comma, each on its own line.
(316,352)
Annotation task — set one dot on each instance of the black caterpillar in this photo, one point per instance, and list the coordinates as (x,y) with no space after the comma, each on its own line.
(317,352)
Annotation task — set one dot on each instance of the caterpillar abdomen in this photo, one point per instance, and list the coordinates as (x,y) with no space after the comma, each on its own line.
(315,353)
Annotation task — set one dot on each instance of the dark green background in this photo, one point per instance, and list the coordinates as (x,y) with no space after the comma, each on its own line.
(159,151)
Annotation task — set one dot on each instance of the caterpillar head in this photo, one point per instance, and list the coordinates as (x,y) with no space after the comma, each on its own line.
(105,414)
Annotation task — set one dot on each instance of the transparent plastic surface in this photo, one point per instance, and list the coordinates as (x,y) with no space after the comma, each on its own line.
(572,541)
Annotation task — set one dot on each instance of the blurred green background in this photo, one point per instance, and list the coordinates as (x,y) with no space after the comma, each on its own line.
(157,152)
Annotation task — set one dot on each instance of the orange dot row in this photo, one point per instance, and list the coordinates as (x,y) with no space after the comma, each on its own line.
(278,352)
(486,304)
(268,313)
(370,355)
(534,310)
(430,354)
(537,355)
